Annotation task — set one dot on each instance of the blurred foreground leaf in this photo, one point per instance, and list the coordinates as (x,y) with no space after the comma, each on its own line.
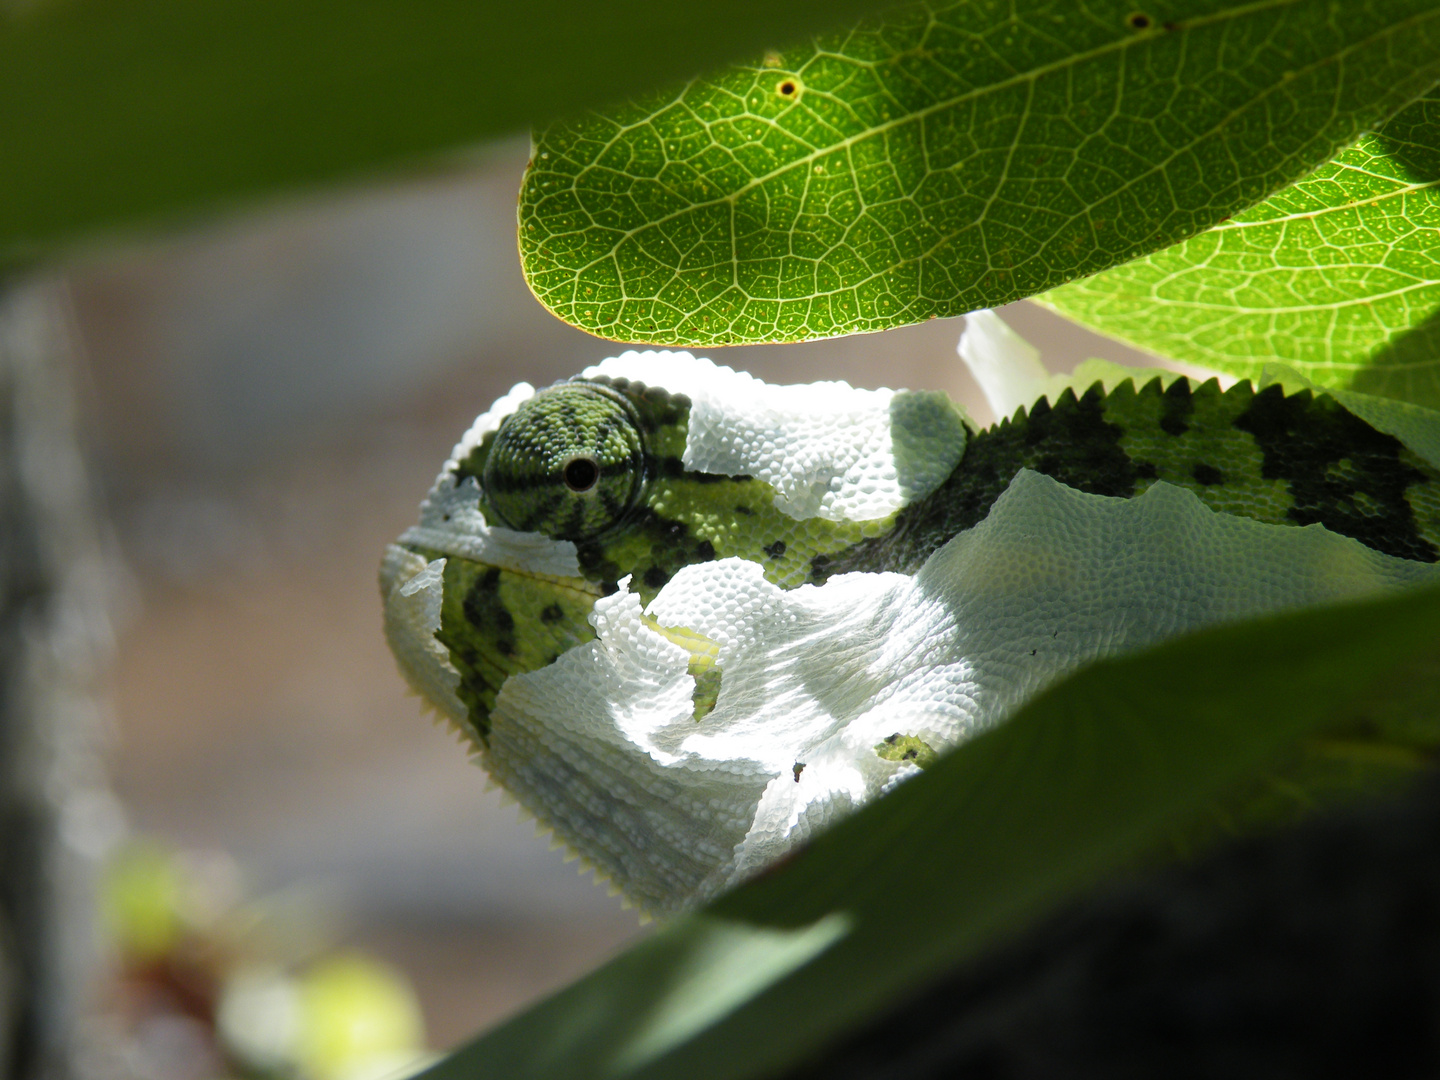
(120,112)
(948,156)
(1337,275)
(1090,775)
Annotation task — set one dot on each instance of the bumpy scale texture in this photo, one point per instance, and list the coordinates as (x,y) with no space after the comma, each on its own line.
(812,590)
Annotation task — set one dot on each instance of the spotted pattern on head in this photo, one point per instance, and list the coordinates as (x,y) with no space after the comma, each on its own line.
(497,623)
(647,516)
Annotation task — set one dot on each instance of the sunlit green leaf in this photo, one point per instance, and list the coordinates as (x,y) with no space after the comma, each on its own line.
(119,112)
(1089,775)
(949,156)
(1338,276)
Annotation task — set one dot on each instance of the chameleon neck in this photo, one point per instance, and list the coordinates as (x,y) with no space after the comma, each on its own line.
(1297,460)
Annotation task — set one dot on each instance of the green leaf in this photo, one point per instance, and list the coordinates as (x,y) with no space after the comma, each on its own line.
(1337,276)
(120,112)
(949,156)
(1090,775)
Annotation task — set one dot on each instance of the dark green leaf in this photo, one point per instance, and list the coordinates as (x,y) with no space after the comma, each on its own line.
(1088,776)
(947,157)
(117,112)
(1337,275)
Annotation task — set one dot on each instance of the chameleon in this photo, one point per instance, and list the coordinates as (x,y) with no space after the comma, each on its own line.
(688,619)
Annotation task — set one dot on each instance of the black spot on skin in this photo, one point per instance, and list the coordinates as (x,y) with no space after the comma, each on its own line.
(741,508)
(485,611)
(1177,408)
(656,577)
(1139,21)
(1341,472)
(1208,475)
(890,739)
(609,588)
(1145,470)
(552,613)
(910,755)
(797,769)
(705,550)
(775,550)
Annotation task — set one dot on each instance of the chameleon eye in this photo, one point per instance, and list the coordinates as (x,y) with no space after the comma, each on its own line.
(568,463)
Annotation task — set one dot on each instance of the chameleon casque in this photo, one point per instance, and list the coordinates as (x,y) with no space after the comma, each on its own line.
(688,618)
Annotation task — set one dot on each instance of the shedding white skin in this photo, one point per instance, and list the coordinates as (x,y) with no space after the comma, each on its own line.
(829,450)
(412,590)
(603,744)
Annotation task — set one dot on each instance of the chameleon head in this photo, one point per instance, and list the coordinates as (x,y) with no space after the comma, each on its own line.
(537,603)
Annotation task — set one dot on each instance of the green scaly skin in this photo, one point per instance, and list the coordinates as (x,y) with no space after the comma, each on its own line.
(1299,460)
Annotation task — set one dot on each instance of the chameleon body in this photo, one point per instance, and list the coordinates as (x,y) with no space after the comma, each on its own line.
(688,618)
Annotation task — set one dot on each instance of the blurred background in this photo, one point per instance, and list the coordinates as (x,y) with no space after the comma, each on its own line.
(263,403)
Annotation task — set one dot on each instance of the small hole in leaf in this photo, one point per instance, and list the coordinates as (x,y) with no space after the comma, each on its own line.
(788,88)
(581,474)
(1139,21)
